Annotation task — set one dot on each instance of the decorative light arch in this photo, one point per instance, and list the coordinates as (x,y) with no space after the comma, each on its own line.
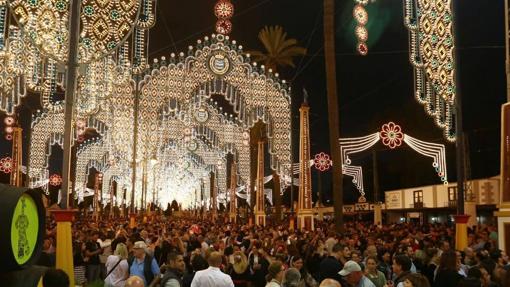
(390,135)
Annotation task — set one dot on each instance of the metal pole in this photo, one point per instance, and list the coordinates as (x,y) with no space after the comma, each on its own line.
(375,176)
(72,67)
(135,143)
(460,151)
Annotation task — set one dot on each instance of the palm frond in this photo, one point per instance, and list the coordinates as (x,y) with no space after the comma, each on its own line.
(279,50)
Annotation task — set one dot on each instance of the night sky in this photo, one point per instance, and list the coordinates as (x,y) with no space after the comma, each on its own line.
(372,89)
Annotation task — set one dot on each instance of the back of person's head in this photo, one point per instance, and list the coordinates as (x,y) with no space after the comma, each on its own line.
(199,263)
(474,272)
(274,268)
(291,278)
(121,250)
(418,280)
(215,259)
(330,283)
(55,278)
(134,281)
(337,247)
(448,260)
(404,261)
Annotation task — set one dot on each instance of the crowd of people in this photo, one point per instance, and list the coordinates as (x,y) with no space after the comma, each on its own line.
(174,252)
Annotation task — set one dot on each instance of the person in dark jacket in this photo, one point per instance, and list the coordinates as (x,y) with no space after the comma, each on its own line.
(331,265)
(448,270)
(174,271)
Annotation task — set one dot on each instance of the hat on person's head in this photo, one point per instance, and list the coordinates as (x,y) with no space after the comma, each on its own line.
(349,267)
(140,245)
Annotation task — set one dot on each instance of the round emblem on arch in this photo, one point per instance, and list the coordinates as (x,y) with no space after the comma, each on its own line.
(201,115)
(219,63)
(192,145)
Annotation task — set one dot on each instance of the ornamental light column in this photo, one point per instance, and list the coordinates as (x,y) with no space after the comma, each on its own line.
(305,211)
(233,185)
(260,214)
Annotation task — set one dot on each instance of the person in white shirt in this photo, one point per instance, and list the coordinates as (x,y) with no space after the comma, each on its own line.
(212,276)
(117,267)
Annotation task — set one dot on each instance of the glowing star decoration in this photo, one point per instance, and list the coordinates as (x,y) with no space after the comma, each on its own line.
(322,161)
(391,135)
(55,180)
(361,16)
(6,165)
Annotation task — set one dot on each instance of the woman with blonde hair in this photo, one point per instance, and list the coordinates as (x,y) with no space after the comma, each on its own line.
(117,267)
(239,270)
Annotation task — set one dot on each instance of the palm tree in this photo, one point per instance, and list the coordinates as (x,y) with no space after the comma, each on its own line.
(280,51)
(333,118)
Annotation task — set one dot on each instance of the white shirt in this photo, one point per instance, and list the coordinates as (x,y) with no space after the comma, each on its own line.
(211,277)
(118,276)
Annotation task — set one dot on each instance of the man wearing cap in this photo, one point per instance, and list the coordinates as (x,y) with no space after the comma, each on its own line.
(143,265)
(354,276)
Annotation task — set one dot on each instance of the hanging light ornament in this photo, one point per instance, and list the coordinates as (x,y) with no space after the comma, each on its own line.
(361,16)
(105,25)
(224,10)
(432,53)
(9,122)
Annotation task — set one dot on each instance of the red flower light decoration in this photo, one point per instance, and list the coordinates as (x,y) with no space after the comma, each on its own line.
(55,180)
(224,9)
(391,135)
(322,161)
(6,165)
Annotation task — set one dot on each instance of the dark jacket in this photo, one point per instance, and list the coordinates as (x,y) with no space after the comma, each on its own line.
(147,267)
(171,274)
(447,278)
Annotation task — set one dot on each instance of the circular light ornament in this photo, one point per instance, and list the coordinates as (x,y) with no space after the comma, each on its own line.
(362,49)
(360,14)
(104,26)
(6,165)
(223,26)
(55,180)
(224,9)
(361,33)
(322,161)
(9,130)
(9,121)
